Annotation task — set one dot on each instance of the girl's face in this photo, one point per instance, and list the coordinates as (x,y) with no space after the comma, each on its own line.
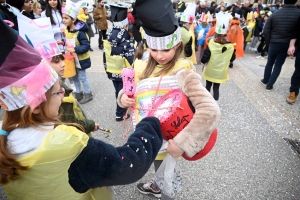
(53,4)
(57,94)
(27,7)
(86,11)
(67,20)
(58,65)
(163,56)
(38,10)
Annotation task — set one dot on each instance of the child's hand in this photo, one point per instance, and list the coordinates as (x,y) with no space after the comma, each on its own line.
(71,50)
(59,42)
(174,150)
(96,127)
(126,101)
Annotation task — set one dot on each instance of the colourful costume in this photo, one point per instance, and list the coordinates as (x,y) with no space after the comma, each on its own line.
(236,36)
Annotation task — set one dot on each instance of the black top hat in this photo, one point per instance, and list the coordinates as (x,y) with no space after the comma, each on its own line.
(159,23)
(118,13)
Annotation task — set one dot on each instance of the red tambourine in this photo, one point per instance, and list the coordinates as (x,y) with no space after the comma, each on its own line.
(175,111)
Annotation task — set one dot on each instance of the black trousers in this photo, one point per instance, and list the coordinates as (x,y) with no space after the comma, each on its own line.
(295,80)
(102,36)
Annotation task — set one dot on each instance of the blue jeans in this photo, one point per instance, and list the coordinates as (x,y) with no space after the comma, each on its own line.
(120,112)
(277,54)
(295,80)
(79,78)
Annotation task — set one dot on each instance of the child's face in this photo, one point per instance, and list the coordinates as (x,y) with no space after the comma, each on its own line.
(58,65)
(163,56)
(57,94)
(86,11)
(63,4)
(67,20)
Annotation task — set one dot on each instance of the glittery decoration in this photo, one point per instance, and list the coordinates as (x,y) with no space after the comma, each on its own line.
(146,151)
(145,140)
(131,165)
(142,138)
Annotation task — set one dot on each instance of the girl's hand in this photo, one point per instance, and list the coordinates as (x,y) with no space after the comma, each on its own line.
(59,42)
(126,101)
(71,50)
(96,127)
(174,150)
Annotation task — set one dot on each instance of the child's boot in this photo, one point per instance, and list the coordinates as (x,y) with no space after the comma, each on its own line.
(78,96)
(86,98)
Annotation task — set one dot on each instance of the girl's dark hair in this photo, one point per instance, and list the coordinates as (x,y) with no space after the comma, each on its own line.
(140,50)
(152,63)
(221,38)
(48,11)
(84,8)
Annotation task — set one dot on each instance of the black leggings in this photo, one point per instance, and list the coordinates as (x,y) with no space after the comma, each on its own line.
(215,89)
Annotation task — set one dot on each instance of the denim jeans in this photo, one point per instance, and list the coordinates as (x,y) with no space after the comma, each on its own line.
(277,54)
(79,78)
(295,80)
(120,112)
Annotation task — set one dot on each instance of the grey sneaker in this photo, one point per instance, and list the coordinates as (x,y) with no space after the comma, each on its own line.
(78,96)
(86,98)
(149,188)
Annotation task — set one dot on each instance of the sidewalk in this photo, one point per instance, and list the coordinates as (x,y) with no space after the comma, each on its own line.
(250,161)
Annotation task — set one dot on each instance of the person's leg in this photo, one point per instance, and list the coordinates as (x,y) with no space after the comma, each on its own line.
(100,42)
(208,85)
(295,80)
(104,34)
(78,94)
(273,51)
(216,87)
(280,59)
(120,112)
(87,96)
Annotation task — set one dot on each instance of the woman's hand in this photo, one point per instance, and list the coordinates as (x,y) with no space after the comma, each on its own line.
(126,101)
(96,127)
(174,150)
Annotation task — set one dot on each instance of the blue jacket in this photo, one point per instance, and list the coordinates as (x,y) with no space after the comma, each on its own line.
(84,47)
(258,27)
(198,29)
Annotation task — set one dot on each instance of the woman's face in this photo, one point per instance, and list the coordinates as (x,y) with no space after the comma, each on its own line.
(58,65)
(163,56)
(57,94)
(53,4)
(67,20)
(27,6)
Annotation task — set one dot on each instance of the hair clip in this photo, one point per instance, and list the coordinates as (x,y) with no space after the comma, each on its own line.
(3,133)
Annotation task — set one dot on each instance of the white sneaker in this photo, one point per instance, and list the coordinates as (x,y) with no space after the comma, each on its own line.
(258,57)
(72,86)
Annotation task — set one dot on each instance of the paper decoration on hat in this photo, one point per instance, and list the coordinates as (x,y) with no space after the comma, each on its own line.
(72,9)
(255,15)
(159,23)
(119,15)
(250,15)
(269,13)
(222,22)
(39,34)
(262,12)
(25,76)
(189,13)
(237,15)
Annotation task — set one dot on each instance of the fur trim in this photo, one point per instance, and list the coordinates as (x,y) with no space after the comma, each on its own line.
(195,135)
(119,99)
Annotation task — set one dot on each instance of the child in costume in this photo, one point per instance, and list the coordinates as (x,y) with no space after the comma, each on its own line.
(164,41)
(219,53)
(211,32)
(257,31)
(76,32)
(263,46)
(201,30)
(187,33)
(43,159)
(236,36)
(120,43)
(81,15)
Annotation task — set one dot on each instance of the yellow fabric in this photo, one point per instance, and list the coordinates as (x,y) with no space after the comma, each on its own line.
(47,177)
(114,64)
(70,35)
(69,70)
(77,111)
(193,58)
(81,16)
(216,70)
(250,27)
(140,65)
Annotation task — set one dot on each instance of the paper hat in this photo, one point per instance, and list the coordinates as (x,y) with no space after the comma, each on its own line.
(119,15)
(255,15)
(269,13)
(72,9)
(31,31)
(160,25)
(24,76)
(262,12)
(250,15)
(189,13)
(222,22)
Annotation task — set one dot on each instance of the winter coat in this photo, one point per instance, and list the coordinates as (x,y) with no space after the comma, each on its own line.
(81,16)
(82,48)
(258,27)
(296,33)
(122,45)
(5,14)
(90,22)
(67,111)
(100,16)
(279,27)
(58,35)
(200,10)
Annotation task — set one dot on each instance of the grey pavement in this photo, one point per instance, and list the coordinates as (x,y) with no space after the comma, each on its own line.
(250,160)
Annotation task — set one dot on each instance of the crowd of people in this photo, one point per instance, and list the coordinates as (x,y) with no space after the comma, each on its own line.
(44,127)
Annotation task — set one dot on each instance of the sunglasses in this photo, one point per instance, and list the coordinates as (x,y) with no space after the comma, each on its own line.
(62,91)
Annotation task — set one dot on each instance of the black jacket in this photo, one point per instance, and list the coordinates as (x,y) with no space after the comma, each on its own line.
(5,14)
(296,33)
(245,11)
(279,27)
(200,10)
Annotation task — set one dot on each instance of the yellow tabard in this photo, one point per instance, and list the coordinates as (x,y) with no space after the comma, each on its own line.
(47,176)
(216,70)
(74,36)
(193,56)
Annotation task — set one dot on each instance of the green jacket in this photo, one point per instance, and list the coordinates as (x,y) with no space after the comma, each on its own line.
(68,111)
